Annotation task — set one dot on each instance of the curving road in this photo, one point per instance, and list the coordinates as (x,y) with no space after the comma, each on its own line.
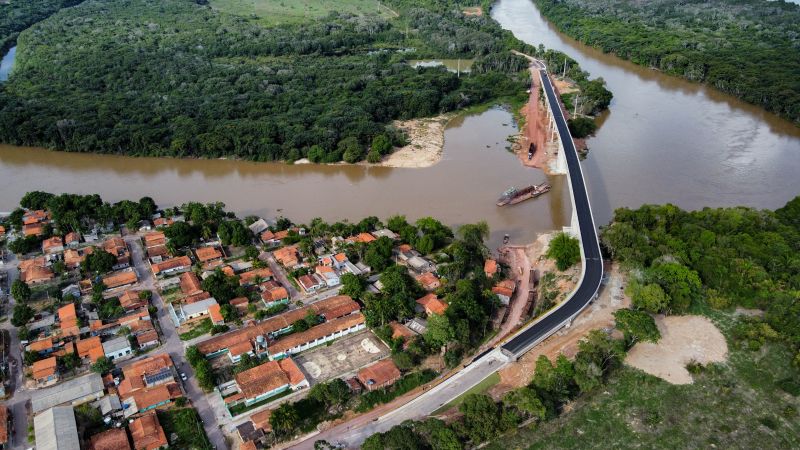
(352,433)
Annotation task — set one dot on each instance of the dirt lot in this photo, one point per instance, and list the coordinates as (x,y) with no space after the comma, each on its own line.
(426,143)
(344,356)
(683,339)
(599,315)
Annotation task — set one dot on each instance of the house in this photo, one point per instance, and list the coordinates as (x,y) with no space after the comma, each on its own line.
(274,296)
(53,245)
(147,339)
(241,304)
(113,439)
(269,379)
(117,348)
(149,398)
(385,232)
(155,245)
(405,252)
(35,271)
(33,229)
(194,298)
(186,312)
(361,237)
(379,375)
(45,371)
(255,276)
(117,247)
(72,290)
(130,301)
(56,429)
(74,257)
(260,420)
(429,281)
(504,290)
(401,331)
(419,326)
(72,239)
(147,434)
(91,348)
(5,422)
(238,350)
(490,268)
(288,256)
(148,372)
(268,238)
(258,227)
(215,313)
(208,254)
(68,320)
(120,279)
(420,264)
(76,391)
(328,275)
(430,304)
(316,335)
(145,225)
(330,308)
(41,347)
(190,284)
(171,266)
(311,283)
(2,231)
(109,405)
(163,222)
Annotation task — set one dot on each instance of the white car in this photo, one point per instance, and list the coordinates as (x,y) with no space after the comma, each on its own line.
(184,377)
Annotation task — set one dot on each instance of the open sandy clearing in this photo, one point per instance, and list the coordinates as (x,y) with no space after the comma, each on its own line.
(683,339)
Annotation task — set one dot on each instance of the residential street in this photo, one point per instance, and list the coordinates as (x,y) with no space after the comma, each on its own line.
(172,344)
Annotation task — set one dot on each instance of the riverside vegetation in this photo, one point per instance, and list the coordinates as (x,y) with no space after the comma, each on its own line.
(748,48)
(183,78)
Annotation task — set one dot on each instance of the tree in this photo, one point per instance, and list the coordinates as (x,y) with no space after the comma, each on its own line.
(481,417)
(284,419)
(598,354)
(70,361)
(400,437)
(102,365)
(650,297)
(373,157)
(381,144)
(251,252)
(565,249)
(20,291)
(352,285)
(680,283)
(379,254)
(222,287)
(440,331)
(526,400)
(350,149)
(98,262)
(636,326)
(22,314)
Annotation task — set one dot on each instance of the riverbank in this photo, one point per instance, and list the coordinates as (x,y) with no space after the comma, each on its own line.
(425,142)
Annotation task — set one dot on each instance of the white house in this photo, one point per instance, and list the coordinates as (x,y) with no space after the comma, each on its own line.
(117,348)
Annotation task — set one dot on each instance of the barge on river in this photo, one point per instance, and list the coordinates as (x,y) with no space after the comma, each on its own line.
(514,195)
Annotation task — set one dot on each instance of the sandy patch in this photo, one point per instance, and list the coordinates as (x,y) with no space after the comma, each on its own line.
(370,346)
(312,368)
(598,315)
(683,339)
(749,312)
(564,86)
(426,143)
(473,11)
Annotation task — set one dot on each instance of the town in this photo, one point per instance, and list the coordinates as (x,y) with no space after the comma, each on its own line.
(131,326)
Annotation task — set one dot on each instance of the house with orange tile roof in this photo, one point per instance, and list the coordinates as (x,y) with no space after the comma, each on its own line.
(171,266)
(147,434)
(68,320)
(430,304)
(72,239)
(316,335)
(90,348)
(120,279)
(255,276)
(147,339)
(130,300)
(361,237)
(329,275)
(117,247)
(504,290)
(401,331)
(34,229)
(190,284)
(241,304)
(215,313)
(207,254)
(311,283)
(379,375)
(145,373)
(74,257)
(330,308)
(35,216)
(270,379)
(288,256)
(490,268)
(2,231)
(42,346)
(53,245)
(151,398)
(36,274)
(275,295)
(113,439)
(45,371)
(429,281)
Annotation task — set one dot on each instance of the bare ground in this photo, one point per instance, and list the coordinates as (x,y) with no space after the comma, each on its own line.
(683,339)
(426,143)
(599,315)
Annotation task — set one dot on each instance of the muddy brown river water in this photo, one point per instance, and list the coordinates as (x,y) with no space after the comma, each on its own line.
(663,140)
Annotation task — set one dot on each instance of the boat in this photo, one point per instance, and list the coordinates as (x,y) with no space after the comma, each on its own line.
(513,195)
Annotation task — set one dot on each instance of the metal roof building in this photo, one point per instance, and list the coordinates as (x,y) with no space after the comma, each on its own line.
(56,429)
(76,391)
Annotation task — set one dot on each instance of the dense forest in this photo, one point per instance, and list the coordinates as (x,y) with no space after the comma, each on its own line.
(748,48)
(18,15)
(180,78)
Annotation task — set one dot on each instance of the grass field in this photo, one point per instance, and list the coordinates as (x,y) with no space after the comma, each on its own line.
(742,403)
(272,12)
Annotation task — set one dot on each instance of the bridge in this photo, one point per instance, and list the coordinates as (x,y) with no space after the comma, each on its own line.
(354,432)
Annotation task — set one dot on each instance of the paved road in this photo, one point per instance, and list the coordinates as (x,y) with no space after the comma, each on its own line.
(354,432)
(173,345)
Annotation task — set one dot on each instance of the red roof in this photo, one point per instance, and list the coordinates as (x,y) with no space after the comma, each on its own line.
(432,304)
(382,373)
(147,433)
(113,439)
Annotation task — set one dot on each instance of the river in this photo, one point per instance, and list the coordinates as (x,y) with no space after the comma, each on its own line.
(663,140)
(7,63)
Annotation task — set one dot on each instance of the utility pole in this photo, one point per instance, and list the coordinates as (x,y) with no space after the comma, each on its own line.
(458,69)
(577,101)
(563,75)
